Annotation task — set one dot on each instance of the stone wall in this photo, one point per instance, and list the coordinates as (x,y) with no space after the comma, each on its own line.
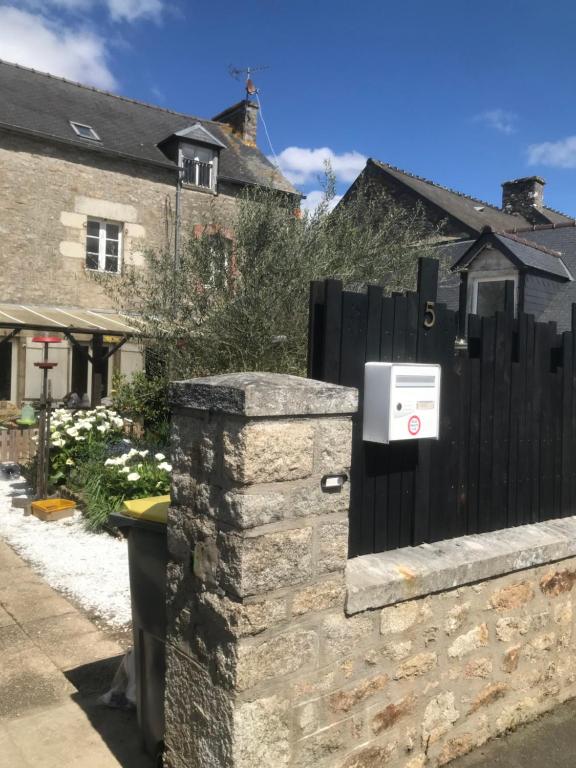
(47,192)
(266,668)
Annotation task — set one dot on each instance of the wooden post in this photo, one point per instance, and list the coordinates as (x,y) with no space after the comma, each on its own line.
(98,361)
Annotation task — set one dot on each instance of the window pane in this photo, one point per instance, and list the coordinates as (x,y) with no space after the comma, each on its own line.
(92,244)
(93,228)
(112,231)
(111,247)
(111,264)
(92,260)
(490,297)
(203,175)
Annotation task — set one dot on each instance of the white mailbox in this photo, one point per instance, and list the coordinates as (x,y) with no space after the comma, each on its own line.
(401,401)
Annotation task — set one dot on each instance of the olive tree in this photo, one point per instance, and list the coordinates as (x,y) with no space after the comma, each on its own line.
(241,304)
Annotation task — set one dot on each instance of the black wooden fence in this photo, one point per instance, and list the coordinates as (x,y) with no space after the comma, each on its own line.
(507,449)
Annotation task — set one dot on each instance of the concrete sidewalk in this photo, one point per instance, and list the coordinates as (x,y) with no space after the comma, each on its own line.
(54,663)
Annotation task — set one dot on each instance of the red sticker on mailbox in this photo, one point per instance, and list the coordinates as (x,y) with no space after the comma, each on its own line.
(414,425)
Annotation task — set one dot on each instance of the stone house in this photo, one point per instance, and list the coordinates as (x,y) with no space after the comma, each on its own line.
(89,180)
(524,241)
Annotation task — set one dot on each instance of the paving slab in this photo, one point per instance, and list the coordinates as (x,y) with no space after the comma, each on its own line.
(54,665)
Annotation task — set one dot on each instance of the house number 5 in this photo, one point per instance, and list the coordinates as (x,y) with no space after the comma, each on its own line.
(429,315)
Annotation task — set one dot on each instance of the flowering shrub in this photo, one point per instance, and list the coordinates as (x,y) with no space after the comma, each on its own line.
(136,474)
(75,435)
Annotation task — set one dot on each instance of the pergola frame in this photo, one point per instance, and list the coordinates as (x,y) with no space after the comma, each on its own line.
(98,356)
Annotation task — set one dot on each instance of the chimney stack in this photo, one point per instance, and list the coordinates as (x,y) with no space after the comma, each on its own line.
(524,197)
(243,118)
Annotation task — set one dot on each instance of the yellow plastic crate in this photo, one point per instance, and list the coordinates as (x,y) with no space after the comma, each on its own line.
(53,509)
(154,508)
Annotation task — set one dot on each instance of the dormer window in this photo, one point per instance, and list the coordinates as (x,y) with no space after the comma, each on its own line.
(84,131)
(198,166)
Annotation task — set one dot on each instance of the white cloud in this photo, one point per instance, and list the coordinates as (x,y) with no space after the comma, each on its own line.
(301,165)
(314,198)
(557,154)
(119,10)
(34,41)
(499,119)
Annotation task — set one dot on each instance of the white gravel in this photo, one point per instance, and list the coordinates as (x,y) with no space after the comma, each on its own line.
(89,567)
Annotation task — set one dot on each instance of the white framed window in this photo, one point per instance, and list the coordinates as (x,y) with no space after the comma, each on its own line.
(103,245)
(84,131)
(198,166)
(487,291)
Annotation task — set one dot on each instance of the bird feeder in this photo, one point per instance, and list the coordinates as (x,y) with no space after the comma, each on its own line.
(43,466)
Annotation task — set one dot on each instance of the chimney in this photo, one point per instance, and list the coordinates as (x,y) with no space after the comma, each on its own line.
(243,118)
(524,197)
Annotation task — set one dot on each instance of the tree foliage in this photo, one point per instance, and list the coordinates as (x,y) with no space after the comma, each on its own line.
(242,304)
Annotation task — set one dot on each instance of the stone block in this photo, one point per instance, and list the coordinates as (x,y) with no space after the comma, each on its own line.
(556,583)
(372,757)
(264,394)
(322,747)
(252,506)
(252,565)
(511,659)
(468,642)
(439,717)
(332,547)
(319,597)
(342,635)
(245,618)
(333,446)
(262,736)
(456,618)
(268,451)
(488,695)
(389,715)
(341,702)
(260,660)
(416,666)
(399,618)
(478,668)
(508,628)
(456,747)
(513,596)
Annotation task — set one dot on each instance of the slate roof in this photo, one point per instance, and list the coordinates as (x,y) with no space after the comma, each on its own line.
(544,244)
(40,104)
(474,214)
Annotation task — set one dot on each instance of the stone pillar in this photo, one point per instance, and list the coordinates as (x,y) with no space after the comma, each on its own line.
(255,544)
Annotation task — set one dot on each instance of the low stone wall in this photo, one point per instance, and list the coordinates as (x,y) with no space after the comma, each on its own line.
(266,668)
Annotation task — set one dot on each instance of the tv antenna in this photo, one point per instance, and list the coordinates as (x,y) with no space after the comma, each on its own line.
(245,74)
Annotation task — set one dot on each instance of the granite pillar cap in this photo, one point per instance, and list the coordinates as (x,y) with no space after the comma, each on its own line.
(263,394)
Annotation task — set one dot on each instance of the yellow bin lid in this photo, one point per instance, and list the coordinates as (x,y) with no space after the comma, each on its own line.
(153,508)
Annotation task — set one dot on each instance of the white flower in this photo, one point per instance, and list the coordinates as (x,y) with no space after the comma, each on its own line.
(133,476)
(144,453)
(72,431)
(56,443)
(111,462)
(125,470)
(80,439)
(69,463)
(159,456)
(132,452)
(103,428)
(165,466)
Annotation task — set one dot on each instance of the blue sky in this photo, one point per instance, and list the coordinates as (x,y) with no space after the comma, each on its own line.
(467,94)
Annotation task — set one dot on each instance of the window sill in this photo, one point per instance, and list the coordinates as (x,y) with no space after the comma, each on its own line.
(101,272)
(194,188)
(374,581)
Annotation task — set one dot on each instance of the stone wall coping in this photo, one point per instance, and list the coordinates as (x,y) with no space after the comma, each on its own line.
(263,394)
(375,581)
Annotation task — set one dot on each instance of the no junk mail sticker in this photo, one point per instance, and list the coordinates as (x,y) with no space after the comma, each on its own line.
(414,425)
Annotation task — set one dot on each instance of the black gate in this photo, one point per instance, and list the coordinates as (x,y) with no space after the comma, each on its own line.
(507,449)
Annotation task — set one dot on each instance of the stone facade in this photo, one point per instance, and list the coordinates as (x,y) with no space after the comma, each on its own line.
(266,667)
(47,193)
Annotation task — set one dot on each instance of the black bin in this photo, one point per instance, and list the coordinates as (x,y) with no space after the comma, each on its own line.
(147,558)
